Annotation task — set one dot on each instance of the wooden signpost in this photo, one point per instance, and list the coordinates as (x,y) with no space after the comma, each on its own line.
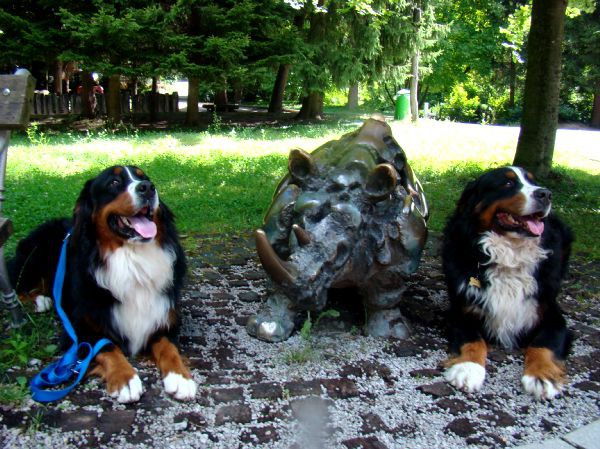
(16,92)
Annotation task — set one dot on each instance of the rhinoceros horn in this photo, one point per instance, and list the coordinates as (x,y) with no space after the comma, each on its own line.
(277,268)
(381,182)
(373,132)
(302,236)
(300,164)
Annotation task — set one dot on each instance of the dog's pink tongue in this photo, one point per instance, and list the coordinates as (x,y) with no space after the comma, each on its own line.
(143,226)
(536,227)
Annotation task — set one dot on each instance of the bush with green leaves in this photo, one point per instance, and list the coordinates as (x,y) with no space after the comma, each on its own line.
(575,106)
(460,106)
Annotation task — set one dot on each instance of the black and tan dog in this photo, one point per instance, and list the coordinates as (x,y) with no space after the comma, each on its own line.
(124,273)
(504,256)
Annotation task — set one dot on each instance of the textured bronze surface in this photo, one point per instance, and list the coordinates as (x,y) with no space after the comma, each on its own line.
(351,213)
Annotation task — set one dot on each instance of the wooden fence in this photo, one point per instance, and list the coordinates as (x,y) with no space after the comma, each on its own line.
(52,104)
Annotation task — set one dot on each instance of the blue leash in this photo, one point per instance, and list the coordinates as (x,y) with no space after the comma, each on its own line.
(69,365)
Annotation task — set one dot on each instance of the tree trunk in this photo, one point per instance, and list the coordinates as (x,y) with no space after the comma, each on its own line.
(192,115)
(414,86)
(535,147)
(353,97)
(58,77)
(312,106)
(276,103)
(134,85)
(88,98)
(221,101)
(113,105)
(596,109)
(154,100)
(238,94)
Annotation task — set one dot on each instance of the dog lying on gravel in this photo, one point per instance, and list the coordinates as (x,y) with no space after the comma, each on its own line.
(504,256)
(124,273)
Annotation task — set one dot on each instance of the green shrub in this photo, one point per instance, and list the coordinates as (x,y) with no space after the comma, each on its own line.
(575,106)
(336,97)
(460,107)
(510,116)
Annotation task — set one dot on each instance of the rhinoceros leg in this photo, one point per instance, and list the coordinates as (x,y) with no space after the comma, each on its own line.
(383,318)
(387,323)
(275,321)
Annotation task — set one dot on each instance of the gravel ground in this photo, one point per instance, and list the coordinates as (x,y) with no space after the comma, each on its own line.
(336,389)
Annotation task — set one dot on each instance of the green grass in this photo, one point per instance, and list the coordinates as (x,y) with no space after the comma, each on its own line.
(223,181)
(216,182)
(37,339)
(213,183)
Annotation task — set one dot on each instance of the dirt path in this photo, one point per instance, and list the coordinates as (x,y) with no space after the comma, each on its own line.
(339,389)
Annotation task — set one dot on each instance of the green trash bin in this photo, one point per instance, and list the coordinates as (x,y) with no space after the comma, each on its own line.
(402,104)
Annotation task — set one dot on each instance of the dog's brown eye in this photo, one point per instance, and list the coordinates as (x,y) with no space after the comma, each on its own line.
(115,182)
(508,184)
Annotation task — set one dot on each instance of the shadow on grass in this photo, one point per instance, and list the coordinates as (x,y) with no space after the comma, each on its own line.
(266,132)
(223,194)
(232,193)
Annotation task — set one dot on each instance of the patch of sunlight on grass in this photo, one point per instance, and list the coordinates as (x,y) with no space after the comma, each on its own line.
(573,150)
(239,146)
(224,181)
(439,146)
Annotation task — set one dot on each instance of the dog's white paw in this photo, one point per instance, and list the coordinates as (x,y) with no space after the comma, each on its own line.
(131,392)
(42,303)
(467,376)
(541,388)
(180,387)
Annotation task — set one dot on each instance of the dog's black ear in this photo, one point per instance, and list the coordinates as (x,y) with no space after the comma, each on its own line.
(82,213)
(167,219)
(468,198)
(170,238)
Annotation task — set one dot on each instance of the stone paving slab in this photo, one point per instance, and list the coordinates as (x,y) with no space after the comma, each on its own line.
(587,437)
(336,389)
(554,443)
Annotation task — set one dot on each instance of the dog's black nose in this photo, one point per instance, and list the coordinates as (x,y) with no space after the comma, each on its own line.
(146,189)
(544,196)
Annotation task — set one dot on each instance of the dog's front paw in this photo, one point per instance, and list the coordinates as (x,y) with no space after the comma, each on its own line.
(42,303)
(541,388)
(131,391)
(179,387)
(467,376)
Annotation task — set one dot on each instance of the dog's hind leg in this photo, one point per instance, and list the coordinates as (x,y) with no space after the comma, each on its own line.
(122,381)
(177,379)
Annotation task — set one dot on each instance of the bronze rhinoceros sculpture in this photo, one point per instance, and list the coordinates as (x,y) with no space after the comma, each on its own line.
(349,214)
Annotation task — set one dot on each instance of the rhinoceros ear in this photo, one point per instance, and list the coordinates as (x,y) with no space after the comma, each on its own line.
(381,182)
(300,164)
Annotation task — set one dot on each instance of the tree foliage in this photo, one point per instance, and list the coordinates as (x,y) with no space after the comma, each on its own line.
(581,65)
(31,31)
(472,53)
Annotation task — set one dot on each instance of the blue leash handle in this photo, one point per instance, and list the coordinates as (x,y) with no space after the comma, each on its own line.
(70,363)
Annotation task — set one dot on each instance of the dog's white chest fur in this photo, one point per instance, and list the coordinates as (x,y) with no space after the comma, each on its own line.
(508,301)
(137,275)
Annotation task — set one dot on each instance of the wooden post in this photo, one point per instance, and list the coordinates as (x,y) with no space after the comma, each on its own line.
(175,100)
(16,96)
(125,102)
